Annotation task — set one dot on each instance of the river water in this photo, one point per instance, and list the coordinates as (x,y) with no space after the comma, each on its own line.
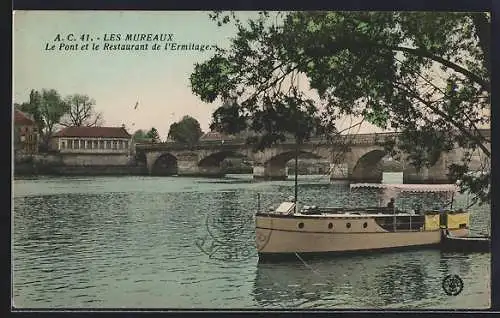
(142,242)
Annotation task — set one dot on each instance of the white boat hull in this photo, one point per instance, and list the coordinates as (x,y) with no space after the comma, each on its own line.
(296,242)
(285,235)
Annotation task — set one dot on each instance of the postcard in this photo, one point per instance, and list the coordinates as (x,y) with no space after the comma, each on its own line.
(251,160)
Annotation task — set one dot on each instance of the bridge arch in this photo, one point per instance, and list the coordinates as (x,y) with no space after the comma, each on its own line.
(164,165)
(216,158)
(275,167)
(369,167)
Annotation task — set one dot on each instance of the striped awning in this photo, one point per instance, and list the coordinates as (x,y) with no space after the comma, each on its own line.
(409,187)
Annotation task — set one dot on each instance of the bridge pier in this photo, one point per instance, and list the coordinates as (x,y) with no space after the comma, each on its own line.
(424,176)
(190,168)
(339,173)
(437,174)
(367,178)
(269,172)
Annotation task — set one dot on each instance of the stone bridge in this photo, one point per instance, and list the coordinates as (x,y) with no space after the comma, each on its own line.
(359,162)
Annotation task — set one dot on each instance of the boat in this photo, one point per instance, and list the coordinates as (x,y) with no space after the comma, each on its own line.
(294,231)
(452,243)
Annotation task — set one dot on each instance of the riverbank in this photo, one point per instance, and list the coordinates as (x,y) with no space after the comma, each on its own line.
(52,165)
(32,170)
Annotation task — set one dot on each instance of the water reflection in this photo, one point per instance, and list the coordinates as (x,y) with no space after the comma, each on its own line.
(374,281)
(399,283)
(230,226)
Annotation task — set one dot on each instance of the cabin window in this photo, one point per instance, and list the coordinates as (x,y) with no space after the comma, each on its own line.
(70,144)
(301,225)
(348,225)
(77,144)
(63,144)
(365,225)
(462,226)
(96,144)
(330,225)
(108,144)
(101,144)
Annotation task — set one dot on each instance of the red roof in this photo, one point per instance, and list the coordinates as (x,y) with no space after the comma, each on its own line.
(21,119)
(104,132)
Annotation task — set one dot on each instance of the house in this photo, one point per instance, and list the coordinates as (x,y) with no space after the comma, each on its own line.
(87,146)
(25,133)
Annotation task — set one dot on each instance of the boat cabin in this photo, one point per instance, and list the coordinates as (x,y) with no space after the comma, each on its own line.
(388,218)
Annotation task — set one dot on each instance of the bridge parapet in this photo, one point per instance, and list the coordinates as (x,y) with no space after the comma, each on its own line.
(361,157)
(232,144)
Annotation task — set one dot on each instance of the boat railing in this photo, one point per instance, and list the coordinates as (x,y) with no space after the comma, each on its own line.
(403,223)
(367,210)
(415,226)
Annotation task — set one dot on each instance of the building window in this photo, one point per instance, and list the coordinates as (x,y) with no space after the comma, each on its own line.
(108,144)
(89,144)
(115,144)
(77,144)
(96,144)
(120,144)
(70,144)
(126,144)
(63,144)
(101,144)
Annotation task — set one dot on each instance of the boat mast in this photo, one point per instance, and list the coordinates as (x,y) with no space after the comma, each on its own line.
(296,173)
(452,198)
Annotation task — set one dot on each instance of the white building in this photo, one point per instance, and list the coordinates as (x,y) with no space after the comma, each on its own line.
(93,145)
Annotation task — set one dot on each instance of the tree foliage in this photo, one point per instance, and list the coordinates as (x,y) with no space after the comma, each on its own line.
(423,74)
(153,135)
(50,111)
(139,134)
(81,112)
(186,131)
(47,107)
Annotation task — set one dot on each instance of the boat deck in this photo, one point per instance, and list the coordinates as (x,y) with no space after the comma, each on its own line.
(287,208)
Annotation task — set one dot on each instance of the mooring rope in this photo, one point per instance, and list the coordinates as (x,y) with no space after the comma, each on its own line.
(307,265)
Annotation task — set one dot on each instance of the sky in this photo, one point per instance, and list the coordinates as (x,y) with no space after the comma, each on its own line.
(158,80)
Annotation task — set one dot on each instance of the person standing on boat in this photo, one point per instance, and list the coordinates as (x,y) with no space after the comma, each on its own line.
(391,203)
(418,208)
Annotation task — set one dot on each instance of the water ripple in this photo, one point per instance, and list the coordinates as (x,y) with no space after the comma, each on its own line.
(130,242)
